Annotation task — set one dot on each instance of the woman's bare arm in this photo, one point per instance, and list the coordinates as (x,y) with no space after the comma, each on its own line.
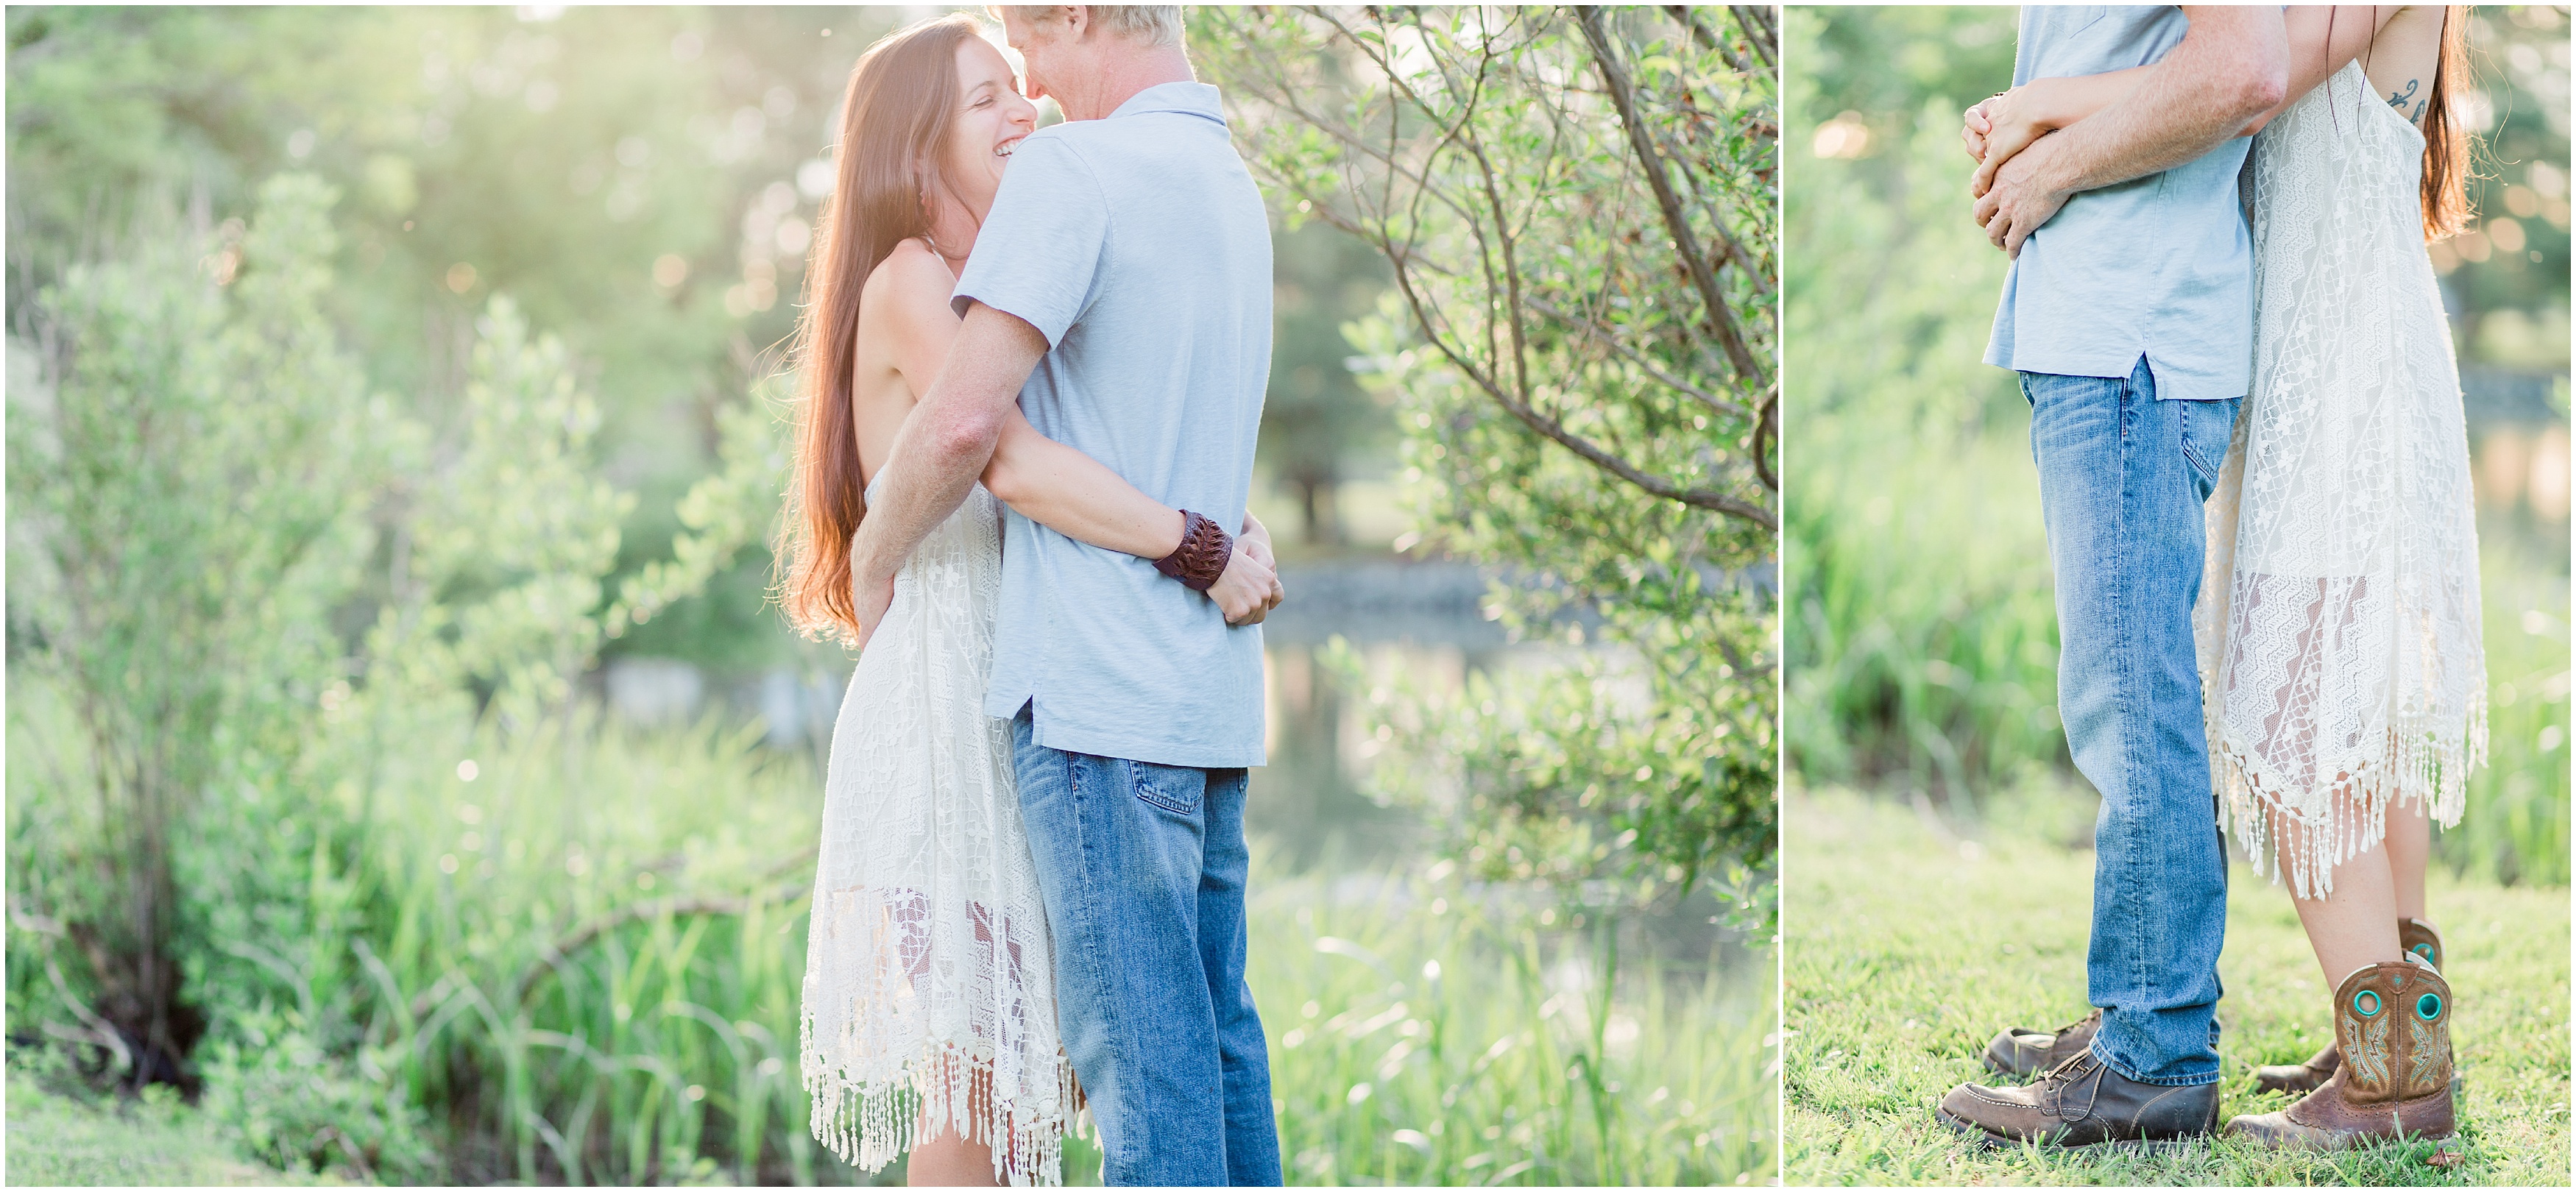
(1044,480)
(1077,496)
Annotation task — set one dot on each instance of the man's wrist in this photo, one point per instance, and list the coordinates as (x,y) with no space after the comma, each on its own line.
(2048,179)
(865,567)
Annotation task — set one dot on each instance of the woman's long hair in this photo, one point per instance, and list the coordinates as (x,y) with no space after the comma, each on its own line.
(895,119)
(2446,141)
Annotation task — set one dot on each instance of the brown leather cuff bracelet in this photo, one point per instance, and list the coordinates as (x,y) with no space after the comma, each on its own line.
(1201,558)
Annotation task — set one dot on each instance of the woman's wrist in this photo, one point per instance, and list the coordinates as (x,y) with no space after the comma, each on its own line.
(1177,532)
(2052,103)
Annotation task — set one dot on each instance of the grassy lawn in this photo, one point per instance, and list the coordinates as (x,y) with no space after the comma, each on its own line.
(57,1140)
(1910,946)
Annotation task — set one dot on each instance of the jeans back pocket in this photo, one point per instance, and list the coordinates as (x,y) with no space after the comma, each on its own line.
(2208,427)
(1176,789)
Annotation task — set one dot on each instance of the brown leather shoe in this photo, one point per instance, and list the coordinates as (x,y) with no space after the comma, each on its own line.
(2021,1051)
(2079,1103)
(2417,938)
(2393,1022)
(2299,1078)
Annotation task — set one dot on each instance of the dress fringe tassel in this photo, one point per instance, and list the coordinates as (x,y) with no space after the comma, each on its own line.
(2427,763)
(870,1124)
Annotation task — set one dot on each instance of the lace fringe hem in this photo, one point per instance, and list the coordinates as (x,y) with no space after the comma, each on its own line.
(2426,763)
(868,1124)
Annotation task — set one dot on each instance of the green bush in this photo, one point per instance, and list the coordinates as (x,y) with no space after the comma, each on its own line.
(190,476)
(254,614)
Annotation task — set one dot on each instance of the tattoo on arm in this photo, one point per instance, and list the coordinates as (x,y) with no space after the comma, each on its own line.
(2398,100)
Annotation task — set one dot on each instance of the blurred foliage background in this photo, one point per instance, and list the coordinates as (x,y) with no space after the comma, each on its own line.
(1912,461)
(410,770)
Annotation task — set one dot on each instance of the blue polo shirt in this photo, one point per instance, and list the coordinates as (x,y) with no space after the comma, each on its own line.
(2160,266)
(1137,244)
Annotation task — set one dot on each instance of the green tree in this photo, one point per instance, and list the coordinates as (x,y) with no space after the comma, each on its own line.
(189,479)
(637,180)
(1577,210)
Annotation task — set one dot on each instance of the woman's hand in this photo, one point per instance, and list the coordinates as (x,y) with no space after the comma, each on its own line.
(1975,126)
(1249,588)
(2012,121)
(1255,540)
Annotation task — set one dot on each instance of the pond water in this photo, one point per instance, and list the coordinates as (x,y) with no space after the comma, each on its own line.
(1309,813)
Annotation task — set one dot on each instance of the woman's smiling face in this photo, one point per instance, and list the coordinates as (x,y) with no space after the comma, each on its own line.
(992,118)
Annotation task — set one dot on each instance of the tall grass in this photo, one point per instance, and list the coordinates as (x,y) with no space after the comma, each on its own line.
(584,960)
(1922,655)
(1421,1040)
(583,964)
(2516,828)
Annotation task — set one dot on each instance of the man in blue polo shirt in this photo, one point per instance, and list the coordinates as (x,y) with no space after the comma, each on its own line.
(2128,312)
(1120,293)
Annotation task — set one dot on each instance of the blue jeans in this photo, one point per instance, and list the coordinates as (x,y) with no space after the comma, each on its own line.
(2122,477)
(1143,869)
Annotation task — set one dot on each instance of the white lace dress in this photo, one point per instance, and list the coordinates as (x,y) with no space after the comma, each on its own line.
(2338,626)
(929,974)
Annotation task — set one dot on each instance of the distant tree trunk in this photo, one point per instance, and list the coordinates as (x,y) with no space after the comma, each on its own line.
(1319,510)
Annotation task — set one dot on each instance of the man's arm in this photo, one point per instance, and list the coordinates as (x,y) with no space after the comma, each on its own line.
(944,445)
(2232,66)
(2321,41)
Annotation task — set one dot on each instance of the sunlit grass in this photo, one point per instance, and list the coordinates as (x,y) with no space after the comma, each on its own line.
(1912,939)
(1419,1036)
(594,957)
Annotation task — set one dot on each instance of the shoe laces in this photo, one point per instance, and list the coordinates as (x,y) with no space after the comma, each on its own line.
(2074,1068)
(2054,1085)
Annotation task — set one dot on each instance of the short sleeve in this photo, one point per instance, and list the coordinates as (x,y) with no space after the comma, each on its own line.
(1041,244)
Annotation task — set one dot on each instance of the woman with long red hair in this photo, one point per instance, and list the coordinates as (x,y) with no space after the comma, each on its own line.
(2342,668)
(929,1001)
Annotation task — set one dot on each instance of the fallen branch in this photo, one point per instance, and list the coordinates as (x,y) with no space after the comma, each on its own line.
(676,906)
(105,1032)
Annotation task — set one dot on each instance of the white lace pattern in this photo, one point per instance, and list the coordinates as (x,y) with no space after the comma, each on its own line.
(929,975)
(2338,627)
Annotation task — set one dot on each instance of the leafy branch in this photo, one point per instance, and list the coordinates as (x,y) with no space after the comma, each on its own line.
(1413,162)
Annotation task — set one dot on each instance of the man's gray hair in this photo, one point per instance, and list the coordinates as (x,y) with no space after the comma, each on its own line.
(1150,24)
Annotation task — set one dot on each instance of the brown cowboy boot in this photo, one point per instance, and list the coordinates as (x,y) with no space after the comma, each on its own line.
(2417,938)
(2021,1051)
(2393,1022)
(2079,1103)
